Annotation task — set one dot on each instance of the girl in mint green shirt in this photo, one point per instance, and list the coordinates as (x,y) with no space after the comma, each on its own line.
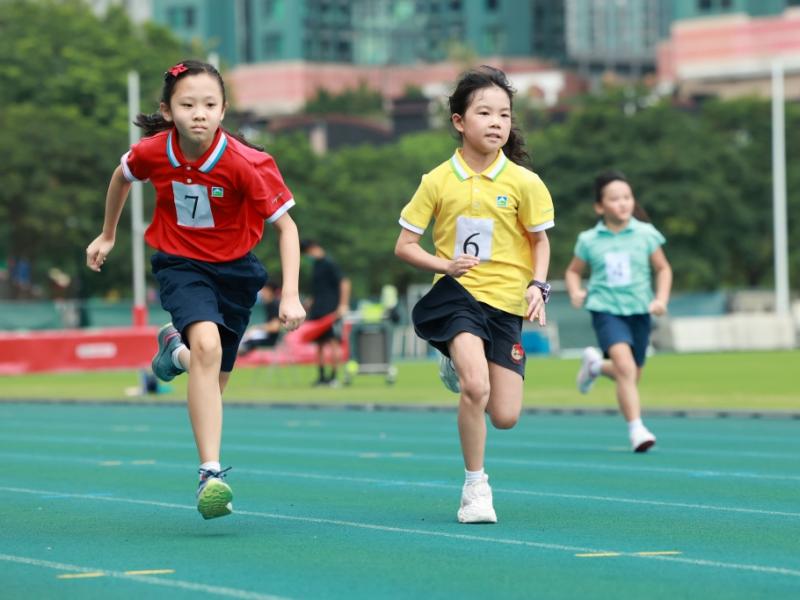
(623,254)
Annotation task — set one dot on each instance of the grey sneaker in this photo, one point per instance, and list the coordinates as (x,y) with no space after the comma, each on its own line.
(169,338)
(448,375)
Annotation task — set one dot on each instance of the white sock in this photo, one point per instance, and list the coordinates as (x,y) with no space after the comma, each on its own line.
(634,425)
(176,358)
(595,368)
(211,466)
(473,475)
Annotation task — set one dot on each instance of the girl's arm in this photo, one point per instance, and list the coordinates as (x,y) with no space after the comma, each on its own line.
(291,311)
(540,249)
(663,277)
(577,294)
(116,195)
(409,250)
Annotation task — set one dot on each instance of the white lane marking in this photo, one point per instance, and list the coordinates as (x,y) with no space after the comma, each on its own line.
(437,534)
(604,439)
(174,583)
(646,465)
(434,485)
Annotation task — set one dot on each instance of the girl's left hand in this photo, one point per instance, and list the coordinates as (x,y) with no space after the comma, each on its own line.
(657,308)
(533,296)
(291,313)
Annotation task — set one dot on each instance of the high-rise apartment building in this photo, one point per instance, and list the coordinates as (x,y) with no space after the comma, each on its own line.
(367,32)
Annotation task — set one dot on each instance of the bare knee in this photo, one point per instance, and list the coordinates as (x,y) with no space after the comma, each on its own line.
(475,390)
(207,349)
(503,419)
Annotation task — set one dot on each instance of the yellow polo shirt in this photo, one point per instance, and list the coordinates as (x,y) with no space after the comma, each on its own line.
(487,215)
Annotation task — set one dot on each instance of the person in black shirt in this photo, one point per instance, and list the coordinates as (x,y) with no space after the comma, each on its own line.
(330,292)
(264,335)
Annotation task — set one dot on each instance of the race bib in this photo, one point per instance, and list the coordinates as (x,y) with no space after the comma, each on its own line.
(618,268)
(474,237)
(192,205)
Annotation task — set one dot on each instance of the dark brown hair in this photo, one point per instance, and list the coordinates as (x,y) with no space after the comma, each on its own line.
(155,122)
(606,177)
(478,79)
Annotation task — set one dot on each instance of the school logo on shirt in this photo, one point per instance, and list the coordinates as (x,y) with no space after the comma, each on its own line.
(217,192)
(502,202)
(517,353)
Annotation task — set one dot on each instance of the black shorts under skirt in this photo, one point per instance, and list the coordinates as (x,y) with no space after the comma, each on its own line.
(449,309)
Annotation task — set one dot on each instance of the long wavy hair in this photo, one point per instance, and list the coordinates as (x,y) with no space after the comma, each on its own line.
(483,77)
(155,122)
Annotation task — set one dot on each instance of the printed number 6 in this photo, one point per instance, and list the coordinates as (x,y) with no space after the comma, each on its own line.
(469,244)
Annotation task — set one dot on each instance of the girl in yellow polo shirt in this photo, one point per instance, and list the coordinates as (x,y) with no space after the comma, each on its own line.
(491,260)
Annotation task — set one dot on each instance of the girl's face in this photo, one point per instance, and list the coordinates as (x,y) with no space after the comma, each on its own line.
(616,204)
(196,108)
(486,124)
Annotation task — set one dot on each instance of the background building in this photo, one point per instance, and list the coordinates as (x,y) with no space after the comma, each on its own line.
(366,32)
(724,52)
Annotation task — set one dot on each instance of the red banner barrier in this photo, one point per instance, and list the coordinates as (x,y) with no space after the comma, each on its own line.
(77,350)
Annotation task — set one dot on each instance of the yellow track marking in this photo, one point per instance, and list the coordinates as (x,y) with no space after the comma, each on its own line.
(151,572)
(81,575)
(598,554)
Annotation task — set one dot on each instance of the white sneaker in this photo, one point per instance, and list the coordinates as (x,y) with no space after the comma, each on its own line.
(476,503)
(448,375)
(642,439)
(585,378)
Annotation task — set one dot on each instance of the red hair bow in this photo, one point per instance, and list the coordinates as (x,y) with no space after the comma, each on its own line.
(178,69)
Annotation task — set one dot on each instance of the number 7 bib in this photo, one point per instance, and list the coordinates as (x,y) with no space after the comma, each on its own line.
(474,237)
(192,205)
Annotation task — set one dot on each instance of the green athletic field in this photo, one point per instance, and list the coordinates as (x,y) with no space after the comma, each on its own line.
(97,502)
(749,381)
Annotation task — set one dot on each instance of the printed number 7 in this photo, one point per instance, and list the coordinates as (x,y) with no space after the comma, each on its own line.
(470,244)
(196,200)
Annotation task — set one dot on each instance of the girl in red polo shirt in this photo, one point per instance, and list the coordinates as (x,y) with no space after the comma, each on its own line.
(213,193)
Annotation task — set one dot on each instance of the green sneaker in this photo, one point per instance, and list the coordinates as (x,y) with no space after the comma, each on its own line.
(214,496)
(169,338)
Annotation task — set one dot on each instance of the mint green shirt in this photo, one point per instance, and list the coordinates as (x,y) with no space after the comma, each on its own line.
(621,277)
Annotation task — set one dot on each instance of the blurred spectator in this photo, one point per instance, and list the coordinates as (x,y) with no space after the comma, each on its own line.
(264,335)
(330,292)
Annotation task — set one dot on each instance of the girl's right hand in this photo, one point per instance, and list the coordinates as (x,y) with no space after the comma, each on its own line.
(461,264)
(97,252)
(578,298)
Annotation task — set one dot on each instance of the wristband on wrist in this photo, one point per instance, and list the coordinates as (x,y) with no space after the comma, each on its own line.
(543,286)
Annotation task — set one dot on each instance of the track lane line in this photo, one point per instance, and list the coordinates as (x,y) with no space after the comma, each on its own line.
(766,569)
(421,484)
(80,572)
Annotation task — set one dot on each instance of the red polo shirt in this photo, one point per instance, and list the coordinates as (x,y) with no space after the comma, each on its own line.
(212,209)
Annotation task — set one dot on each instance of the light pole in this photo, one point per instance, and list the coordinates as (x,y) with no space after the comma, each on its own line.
(139,312)
(780,235)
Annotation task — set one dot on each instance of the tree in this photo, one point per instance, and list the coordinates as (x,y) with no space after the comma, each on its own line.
(63,126)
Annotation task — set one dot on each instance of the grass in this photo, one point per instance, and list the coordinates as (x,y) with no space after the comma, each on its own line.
(761,381)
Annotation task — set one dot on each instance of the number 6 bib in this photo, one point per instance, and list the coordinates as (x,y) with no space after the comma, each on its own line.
(474,237)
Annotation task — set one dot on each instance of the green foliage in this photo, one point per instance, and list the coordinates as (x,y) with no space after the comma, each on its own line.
(361,101)
(702,173)
(63,127)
